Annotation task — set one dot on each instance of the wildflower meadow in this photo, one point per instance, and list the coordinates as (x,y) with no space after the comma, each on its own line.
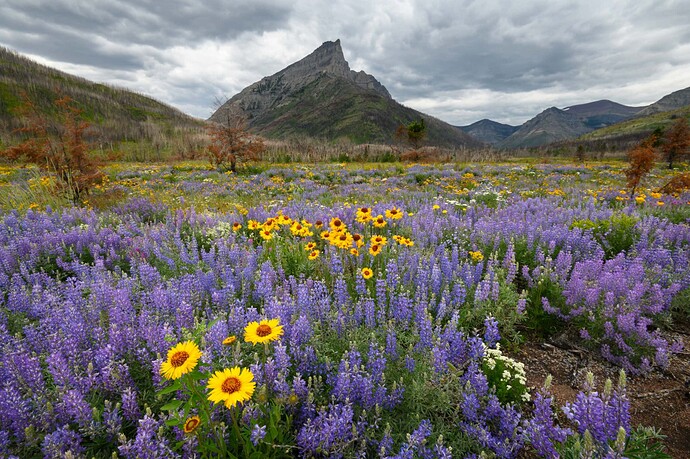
(333,310)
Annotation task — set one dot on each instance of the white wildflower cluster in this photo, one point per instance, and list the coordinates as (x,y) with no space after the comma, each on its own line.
(221,230)
(505,372)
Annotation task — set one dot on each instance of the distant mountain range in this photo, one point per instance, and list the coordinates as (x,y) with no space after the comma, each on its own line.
(319,96)
(593,120)
(116,114)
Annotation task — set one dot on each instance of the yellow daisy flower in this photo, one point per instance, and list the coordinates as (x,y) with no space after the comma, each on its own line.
(394,213)
(375,249)
(236,227)
(309,247)
(229,340)
(358,239)
(191,424)
(354,252)
(253,225)
(363,214)
(367,273)
(379,221)
(313,255)
(231,386)
(270,224)
(182,359)
(476,256)
(337,224)
(380,240)
(263,332)
(266,235)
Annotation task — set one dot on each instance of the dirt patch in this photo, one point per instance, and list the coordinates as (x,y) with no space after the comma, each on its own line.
(660,399)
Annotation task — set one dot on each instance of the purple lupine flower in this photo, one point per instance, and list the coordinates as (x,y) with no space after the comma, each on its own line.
(258,434)
(61,442)
(491,333)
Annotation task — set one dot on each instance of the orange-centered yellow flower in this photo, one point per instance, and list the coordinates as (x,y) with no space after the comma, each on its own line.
(367,273)
(394,213)
(263,332)
(182,359)
(231,386)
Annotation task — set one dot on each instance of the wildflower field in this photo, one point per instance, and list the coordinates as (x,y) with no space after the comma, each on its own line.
(335,310)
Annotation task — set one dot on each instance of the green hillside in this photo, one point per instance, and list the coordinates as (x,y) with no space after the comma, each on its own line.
(116,114)
(638,127)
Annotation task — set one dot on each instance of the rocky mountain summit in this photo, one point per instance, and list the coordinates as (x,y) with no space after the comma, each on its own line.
(271,91)
(320,96)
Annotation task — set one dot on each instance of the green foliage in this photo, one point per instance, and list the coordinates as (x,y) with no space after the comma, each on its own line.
(616,234)
(642,443)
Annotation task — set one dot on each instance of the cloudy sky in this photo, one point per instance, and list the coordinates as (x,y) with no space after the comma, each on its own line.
(459,60)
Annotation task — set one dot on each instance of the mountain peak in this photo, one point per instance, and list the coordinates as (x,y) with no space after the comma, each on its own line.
(327,58)
(321,97)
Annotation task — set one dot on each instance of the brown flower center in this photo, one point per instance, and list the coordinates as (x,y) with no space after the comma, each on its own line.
(375,248)
(337,223)
(393,211)
(356,237)
(179,358)
(343,237)
(263,330)
(231,385)
(364,210)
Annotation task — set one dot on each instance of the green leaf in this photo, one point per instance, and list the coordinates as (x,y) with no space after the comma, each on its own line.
(172,422)
(175,386)
(172,406)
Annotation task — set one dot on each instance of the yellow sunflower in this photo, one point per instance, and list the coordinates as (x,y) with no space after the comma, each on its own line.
(229,340)
(182,359)
(236,226)
(375,249)
(367,273)
(314,254)
(231,386)
(191,424)
(263,332)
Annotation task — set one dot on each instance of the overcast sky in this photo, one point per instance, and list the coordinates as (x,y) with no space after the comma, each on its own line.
(460,61)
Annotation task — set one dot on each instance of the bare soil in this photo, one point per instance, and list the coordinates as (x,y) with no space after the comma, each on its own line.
(660,399)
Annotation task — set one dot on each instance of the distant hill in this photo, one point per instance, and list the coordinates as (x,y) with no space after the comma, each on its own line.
(659,115)
(555,125)
(489,131)
(639,127)
(549,126)
(673,101)
(320,97)
(602,113)
(116,114)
